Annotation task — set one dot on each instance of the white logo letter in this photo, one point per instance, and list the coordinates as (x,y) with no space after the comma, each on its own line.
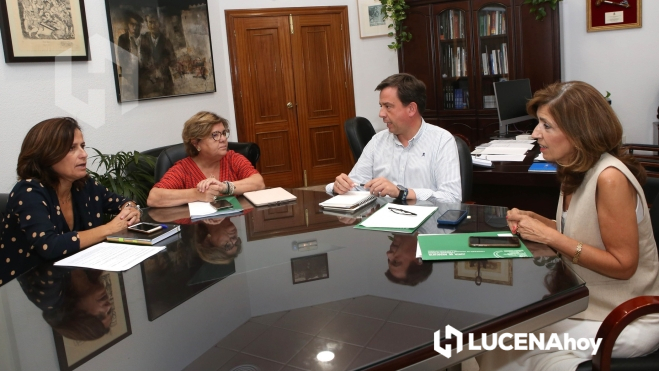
(502,344)
(450,332)
(596,344)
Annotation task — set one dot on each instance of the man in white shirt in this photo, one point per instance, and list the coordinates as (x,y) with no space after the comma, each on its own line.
(410,160)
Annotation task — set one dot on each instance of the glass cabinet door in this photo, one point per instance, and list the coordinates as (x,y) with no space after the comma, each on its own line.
(455,59)
(493,51)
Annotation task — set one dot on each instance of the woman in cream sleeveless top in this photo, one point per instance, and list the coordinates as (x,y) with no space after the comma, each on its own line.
(602,228)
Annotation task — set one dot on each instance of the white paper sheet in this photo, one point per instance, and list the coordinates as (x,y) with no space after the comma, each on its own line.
(385,218)
(510,158)
(504,151)
(108,256)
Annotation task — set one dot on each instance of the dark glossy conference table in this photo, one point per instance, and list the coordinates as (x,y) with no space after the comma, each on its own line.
(274,288)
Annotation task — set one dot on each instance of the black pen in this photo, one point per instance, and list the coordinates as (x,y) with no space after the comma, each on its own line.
(401,211)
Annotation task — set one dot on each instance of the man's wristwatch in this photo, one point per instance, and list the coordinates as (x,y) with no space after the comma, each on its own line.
(402,195)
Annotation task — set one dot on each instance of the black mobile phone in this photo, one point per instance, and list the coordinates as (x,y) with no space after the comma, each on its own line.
(145,227)
(452,217)
(494,241)
(221,204)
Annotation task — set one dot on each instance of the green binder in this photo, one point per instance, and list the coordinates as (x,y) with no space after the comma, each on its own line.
(455,246)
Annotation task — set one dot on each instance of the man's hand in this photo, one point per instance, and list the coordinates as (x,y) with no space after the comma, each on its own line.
(343,184)
(382,187)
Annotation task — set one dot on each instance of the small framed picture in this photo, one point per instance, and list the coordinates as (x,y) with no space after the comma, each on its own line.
(44,31)
(496,271)
(310,268)
(78,344)
(613,15)
(371,19)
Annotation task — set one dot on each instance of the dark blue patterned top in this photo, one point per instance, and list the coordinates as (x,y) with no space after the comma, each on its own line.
(34,228)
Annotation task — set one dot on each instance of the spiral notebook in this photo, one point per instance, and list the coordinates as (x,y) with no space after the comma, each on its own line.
(348,202)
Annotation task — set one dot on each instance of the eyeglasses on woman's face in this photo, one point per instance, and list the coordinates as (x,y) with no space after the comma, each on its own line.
(217,135)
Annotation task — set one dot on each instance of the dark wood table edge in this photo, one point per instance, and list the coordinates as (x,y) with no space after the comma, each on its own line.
(506,321)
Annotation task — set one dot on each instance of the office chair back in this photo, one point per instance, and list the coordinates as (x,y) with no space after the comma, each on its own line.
(4,197)
(466,168)
(174,153)
(359,131)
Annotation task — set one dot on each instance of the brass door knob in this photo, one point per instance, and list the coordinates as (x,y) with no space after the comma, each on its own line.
(289,105)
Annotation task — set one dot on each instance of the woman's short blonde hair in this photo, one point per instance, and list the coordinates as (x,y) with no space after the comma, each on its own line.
(198,127)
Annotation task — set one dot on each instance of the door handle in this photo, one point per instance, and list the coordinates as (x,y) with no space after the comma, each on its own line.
(289,105)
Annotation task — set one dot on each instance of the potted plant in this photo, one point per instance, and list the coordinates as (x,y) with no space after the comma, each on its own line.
(538,7)
(395,10)
(126,173)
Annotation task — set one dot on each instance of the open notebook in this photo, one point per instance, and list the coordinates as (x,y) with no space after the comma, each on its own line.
(271,196)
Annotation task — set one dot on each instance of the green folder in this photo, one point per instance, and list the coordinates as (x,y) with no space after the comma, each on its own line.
(235,204)
(236,208)
(455,246)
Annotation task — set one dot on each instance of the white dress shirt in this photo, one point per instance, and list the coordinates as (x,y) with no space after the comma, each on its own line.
(429,164)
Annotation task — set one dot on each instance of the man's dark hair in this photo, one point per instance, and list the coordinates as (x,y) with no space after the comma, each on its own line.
(410,89)
(128,14)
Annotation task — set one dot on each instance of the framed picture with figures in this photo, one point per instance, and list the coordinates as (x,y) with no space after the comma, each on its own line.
(604,15)
(44,31)
(160,50)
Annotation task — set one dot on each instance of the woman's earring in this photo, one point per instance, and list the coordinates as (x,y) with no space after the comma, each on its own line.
(198,149)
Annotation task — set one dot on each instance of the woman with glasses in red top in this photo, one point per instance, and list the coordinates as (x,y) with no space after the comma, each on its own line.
(210,169)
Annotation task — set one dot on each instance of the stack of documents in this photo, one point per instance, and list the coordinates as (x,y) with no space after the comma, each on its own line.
(200,210)
(455,246)
(504,150)
(398,218)
(348,202)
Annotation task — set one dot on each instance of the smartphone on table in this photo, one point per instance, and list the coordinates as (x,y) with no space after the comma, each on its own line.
(145,227)
(221,204)
(452,217)
(494,241)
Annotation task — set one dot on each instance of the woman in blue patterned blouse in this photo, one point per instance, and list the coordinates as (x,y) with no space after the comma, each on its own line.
(55,209)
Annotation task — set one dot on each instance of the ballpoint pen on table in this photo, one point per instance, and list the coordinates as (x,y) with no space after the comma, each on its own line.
(401,211)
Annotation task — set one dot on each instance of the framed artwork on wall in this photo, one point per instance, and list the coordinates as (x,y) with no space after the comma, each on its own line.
(44,31)
(160,50)
(371,22)
(604,15)
(77,344)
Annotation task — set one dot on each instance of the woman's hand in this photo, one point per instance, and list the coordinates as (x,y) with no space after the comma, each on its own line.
(533,229)
(210,188)
(126,217)
(513,216)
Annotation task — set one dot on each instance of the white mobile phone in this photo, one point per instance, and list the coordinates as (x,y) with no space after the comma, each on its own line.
(145,227)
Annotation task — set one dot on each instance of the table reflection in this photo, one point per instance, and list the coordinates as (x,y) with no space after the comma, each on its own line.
(203,255)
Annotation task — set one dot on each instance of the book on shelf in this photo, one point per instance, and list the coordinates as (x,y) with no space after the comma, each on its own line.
(486,70)
(458,99)
(504,49)
(128,236)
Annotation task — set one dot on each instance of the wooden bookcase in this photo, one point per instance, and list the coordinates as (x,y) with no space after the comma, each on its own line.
(460,48)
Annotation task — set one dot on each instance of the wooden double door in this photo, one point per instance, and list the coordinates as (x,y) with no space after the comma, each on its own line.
(292,89)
